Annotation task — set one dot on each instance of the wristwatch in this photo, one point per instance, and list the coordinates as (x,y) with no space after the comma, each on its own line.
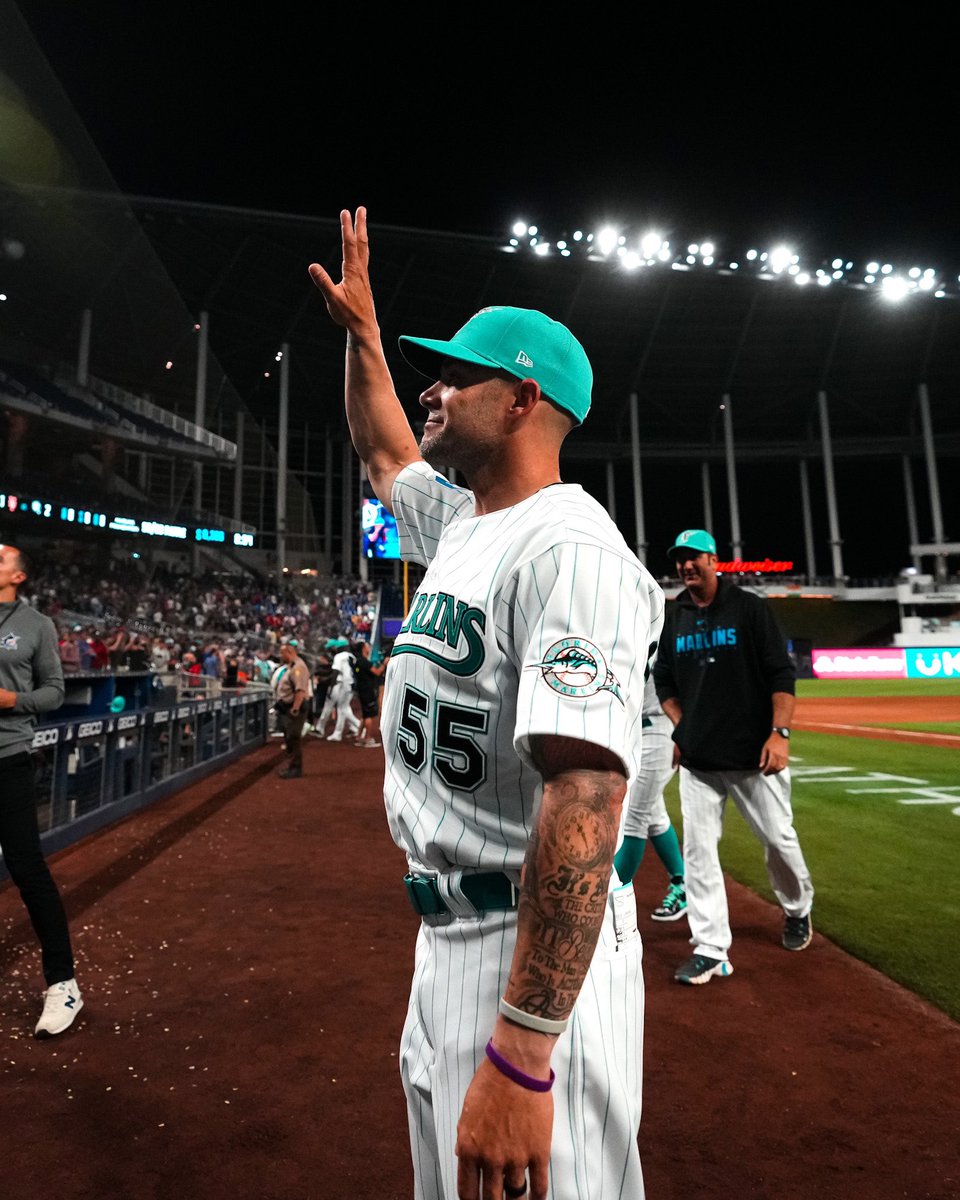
(782,730)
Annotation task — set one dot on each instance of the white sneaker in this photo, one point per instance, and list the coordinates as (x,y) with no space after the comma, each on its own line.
(335,737)
(61,1003)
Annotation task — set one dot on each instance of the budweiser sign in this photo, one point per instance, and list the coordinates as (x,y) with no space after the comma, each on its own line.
(764,566)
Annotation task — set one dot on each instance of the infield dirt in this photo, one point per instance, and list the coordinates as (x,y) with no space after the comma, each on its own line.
(245,949)
(879,716)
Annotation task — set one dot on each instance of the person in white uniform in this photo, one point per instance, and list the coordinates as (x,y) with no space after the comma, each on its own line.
(647,816)
(511,727)
(340,697)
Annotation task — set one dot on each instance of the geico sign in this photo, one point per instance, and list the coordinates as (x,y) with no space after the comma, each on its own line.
(46,737)
(127,722)
(89,728)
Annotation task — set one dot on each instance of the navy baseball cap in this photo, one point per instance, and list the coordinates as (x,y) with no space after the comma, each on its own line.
(522,341)
(693,539)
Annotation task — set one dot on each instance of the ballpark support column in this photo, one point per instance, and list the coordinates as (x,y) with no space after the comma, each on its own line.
(835,542)
(328,500)
(637,481)
(363,569)
(707,496)
(940,560)
(348,532)
(727,409)
(911,503)
(807,522)
(611,492)
(282,444)
(238,472)
(199,417)
(83,353)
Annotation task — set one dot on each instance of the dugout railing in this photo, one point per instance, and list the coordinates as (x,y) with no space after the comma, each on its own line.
(91,770)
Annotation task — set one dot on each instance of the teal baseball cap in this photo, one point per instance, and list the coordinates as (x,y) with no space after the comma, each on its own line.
(523,341)
(693,539)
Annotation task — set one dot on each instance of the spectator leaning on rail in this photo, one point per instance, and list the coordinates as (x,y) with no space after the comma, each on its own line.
(31,682)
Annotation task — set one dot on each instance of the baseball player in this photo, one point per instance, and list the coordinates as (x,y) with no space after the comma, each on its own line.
(647,815)
(511,725)
(340,696)
(726,682)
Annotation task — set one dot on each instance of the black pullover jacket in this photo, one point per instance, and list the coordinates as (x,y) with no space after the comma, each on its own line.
(722,663)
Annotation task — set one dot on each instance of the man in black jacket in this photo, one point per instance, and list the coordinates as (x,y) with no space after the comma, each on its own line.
(723,676)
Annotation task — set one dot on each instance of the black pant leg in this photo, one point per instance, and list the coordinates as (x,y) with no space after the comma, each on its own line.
(23,856)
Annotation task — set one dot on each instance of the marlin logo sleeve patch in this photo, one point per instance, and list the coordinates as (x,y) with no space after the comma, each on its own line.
(576,667)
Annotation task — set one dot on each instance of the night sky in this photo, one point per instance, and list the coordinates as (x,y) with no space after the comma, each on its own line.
(743,137)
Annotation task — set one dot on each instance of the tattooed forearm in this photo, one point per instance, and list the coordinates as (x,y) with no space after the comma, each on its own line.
(564,894)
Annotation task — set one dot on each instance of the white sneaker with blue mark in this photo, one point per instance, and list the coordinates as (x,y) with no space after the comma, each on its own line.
(61,1003)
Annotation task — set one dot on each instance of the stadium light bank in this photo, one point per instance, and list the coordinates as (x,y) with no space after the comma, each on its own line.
(637,251)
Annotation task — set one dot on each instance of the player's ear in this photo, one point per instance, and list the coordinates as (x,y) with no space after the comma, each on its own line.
(526,396)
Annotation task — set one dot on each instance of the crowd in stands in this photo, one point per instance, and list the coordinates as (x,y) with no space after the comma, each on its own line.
(121,618)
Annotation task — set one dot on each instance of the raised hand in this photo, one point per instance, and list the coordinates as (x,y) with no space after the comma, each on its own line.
(349,302)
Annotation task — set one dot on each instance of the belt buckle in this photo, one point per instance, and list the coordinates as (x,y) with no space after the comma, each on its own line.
(422,890)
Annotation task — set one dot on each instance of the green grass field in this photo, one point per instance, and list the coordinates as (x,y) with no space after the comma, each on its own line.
(879,824)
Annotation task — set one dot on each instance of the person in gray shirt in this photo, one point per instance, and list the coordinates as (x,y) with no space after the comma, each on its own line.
(31,683)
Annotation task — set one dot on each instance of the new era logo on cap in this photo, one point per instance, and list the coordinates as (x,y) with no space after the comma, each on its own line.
(524,359)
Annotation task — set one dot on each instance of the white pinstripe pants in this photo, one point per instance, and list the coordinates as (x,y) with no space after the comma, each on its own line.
(460,973)
(340,698)
(764,801)
(646,812)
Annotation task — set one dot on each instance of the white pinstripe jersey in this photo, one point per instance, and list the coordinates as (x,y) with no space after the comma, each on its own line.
(536,619)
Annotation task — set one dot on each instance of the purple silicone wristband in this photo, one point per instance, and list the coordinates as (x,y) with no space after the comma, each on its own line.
(514,1073)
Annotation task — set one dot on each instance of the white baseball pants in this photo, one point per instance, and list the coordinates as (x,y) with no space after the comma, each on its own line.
(339,698)
(646,813)
(461,971)
(764,801)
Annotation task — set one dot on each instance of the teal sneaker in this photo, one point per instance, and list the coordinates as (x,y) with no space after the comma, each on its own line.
(700,968)
(673,905)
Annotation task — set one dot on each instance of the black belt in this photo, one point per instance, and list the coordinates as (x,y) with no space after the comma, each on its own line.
(493,890)
(646,722)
